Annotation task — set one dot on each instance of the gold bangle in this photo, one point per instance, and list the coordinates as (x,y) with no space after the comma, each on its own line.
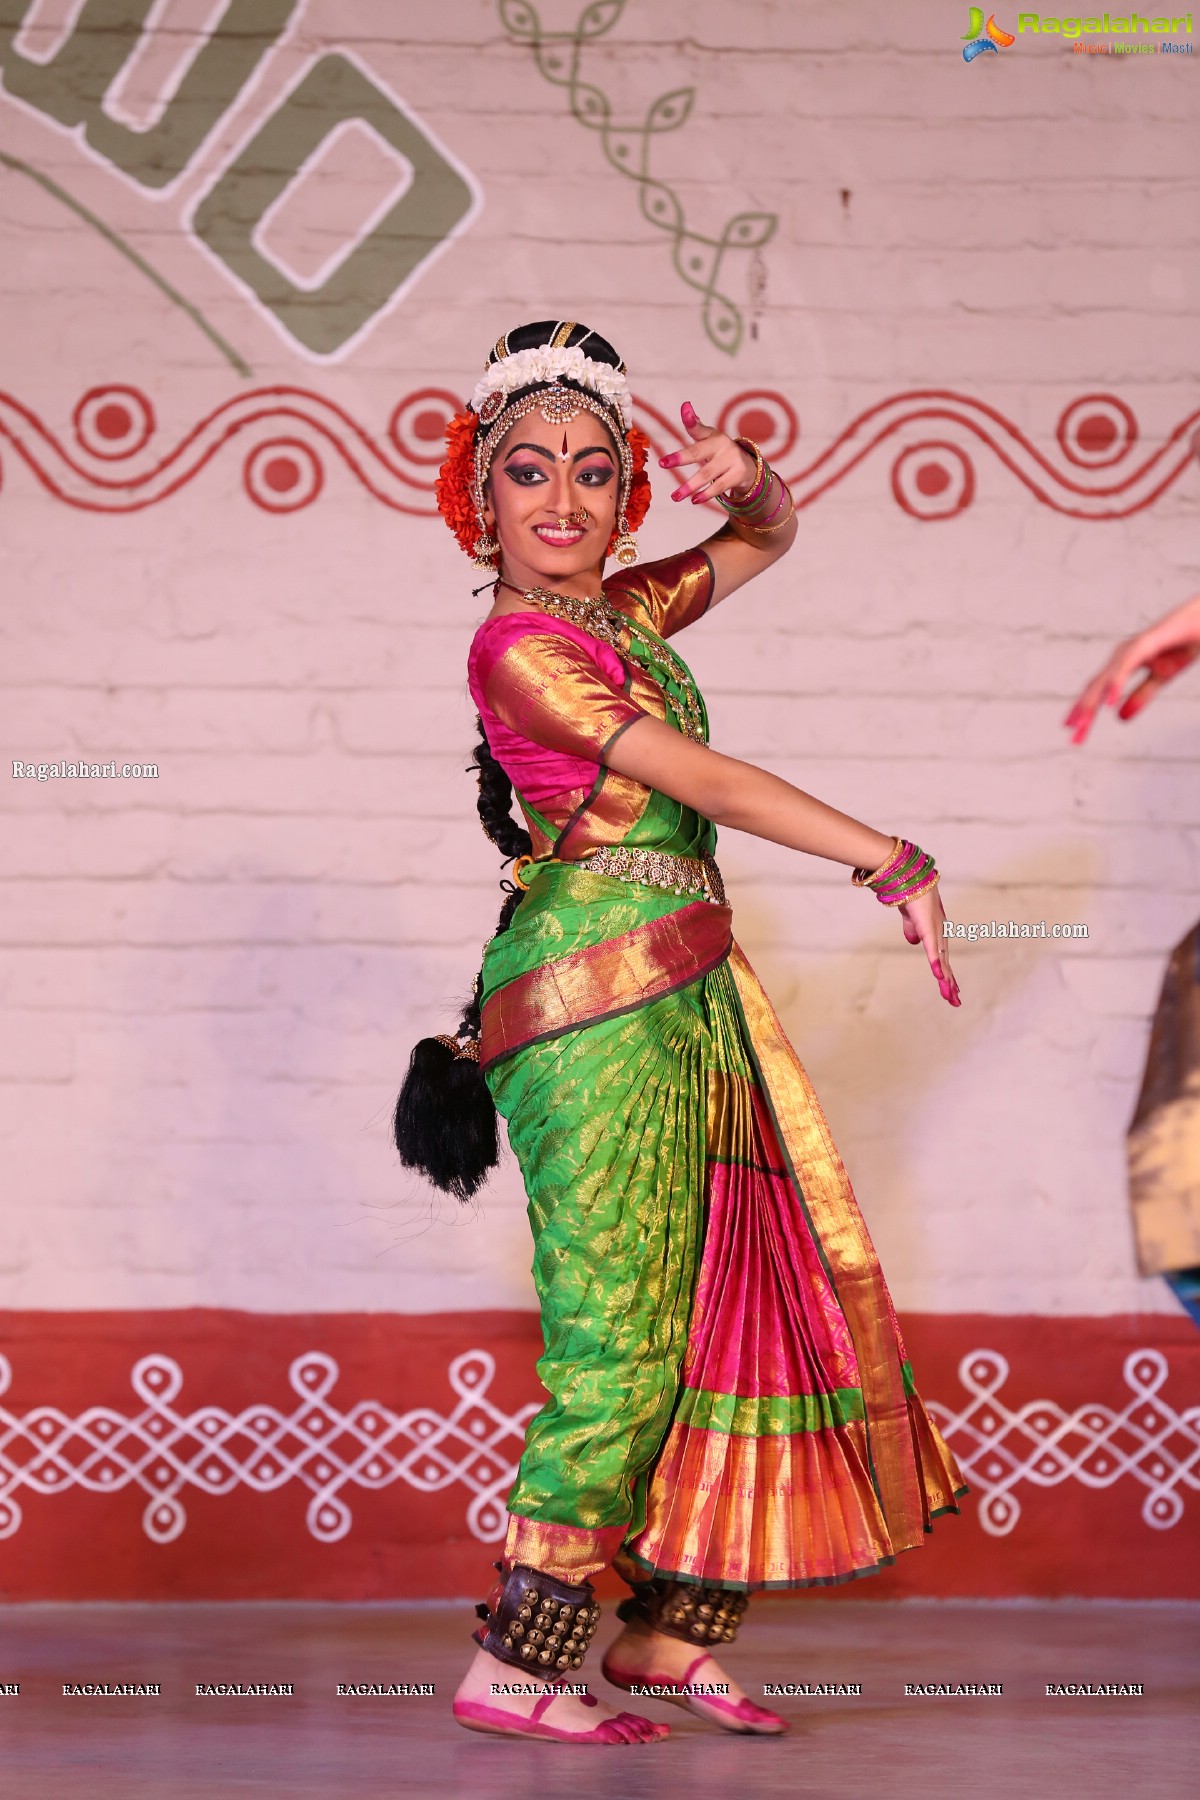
(760,464)
(860,877)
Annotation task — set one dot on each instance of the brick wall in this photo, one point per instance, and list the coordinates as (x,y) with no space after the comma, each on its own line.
(212,978)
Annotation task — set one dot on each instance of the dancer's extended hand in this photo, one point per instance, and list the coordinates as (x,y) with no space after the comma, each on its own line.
(1162,650)
(720,464)
(922,919)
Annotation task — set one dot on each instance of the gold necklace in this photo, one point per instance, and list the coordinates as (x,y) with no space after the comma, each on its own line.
(596,616)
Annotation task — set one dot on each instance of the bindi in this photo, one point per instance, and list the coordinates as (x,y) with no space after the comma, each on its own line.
(563,451)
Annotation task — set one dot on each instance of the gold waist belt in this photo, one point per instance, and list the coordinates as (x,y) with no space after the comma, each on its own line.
(658,868)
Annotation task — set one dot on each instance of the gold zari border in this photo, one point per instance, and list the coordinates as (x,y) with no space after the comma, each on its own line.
(605,979)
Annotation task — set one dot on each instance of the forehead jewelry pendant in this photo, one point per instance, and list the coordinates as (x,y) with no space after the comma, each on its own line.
(558,406)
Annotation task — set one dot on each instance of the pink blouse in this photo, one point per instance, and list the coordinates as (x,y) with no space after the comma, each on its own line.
(552,698)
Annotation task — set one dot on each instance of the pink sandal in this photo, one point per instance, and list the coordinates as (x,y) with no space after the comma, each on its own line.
(478,1717)
(717,1709)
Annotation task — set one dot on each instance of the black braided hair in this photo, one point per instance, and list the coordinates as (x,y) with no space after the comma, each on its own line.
(445,1119)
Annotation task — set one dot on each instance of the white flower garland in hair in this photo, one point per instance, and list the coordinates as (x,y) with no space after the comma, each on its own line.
(543,363)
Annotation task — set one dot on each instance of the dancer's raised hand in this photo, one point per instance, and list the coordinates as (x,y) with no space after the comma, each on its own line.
(721,465)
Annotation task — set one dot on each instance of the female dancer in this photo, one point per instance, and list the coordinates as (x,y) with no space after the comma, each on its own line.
(731,1406)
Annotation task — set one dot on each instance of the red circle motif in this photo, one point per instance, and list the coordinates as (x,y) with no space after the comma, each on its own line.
(934,480)
(766,418)
(931,479)
(417,427)
(113,422)
(1096,431)
(283,475)
(280,474)
(756,423)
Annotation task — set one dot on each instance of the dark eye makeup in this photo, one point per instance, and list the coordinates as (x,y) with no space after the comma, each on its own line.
(530,474)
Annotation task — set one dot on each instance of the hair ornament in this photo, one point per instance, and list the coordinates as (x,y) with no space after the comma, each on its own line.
(545,363)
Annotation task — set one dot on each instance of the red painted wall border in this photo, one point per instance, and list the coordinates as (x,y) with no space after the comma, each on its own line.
(1119,1401)
(286,435)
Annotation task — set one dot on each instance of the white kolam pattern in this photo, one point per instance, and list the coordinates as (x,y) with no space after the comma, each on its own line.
(1043,1444)
(164,1450)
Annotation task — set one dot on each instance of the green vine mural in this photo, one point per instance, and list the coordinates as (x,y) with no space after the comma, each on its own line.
(697,257)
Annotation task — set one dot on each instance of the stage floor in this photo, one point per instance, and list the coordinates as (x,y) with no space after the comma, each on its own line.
(880,1745)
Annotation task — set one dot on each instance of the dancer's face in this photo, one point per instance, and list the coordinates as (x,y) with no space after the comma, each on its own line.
(552,501)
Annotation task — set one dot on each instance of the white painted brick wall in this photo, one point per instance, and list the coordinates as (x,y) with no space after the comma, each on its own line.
(211,980)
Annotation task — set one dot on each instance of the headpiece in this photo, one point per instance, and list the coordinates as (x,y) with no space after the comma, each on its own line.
(543,368)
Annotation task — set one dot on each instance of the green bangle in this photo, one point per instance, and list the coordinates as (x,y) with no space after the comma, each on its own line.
(899,872)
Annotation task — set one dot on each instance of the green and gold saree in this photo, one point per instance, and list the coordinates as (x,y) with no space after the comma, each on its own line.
(730,1400)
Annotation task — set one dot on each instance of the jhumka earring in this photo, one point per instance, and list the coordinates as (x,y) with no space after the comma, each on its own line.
(486,547)
(625,548)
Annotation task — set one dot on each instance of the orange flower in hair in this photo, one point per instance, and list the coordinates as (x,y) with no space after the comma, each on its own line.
(453,486)
(638,503)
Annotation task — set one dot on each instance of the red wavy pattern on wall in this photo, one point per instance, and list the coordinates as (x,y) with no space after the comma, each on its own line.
(110,463)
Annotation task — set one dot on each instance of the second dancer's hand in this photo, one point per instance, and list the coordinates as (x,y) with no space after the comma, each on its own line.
(1159,653)
(922,919)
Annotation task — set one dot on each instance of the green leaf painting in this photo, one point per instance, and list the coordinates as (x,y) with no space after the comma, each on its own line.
(697,258)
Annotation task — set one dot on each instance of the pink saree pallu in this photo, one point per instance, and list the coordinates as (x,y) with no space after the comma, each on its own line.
(800,1452)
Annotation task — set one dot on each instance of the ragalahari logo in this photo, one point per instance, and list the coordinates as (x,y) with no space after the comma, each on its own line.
(993,37)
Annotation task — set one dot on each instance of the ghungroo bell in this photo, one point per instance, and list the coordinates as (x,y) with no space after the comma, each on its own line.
(539,1623)
(698,1615)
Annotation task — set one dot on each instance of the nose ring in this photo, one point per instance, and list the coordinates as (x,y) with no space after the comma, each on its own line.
(580,517)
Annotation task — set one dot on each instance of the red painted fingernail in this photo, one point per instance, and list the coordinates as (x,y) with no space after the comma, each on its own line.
(689,411)
(936,966)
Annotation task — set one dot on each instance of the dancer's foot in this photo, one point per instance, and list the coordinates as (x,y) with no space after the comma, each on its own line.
(566,1718)
(643,1658)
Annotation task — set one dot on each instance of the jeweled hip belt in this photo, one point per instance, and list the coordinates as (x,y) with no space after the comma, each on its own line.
(660,869)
